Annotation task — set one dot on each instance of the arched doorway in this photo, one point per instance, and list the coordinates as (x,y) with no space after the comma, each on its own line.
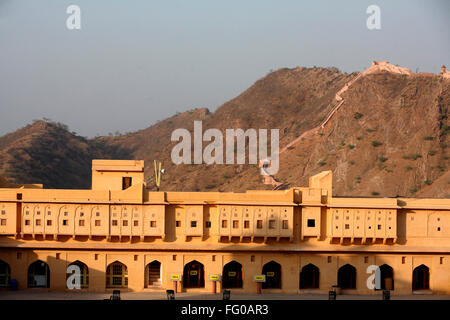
(387,277)
(5,274)
(272,271)
(153,274)
(232,275)
(38,275)
(347,277)
(421,278)
(117,275)
(193,275)
(84,273)
(309,277)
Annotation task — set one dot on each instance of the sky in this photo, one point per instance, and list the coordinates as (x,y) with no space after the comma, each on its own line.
(133,63)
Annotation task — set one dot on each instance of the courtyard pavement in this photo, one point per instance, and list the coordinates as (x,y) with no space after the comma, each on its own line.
(49,295)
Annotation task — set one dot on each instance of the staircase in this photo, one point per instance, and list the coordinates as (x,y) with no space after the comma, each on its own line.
(154,280)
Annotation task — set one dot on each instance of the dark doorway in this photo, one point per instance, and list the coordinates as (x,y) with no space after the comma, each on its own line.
(309,277)
(232,275)
(154,274)
(194,275)
(38,275)
(5,274)
(421,278)
(387,277)
(272,271)
(347,277)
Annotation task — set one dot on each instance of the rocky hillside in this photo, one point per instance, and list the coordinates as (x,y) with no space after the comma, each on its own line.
(387,137)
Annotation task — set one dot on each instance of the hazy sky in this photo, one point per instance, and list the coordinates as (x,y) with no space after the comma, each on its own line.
(136,62)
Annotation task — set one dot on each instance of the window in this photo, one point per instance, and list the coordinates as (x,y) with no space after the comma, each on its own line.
(329,259)
(96,256)
(259,224)
(3,212)
(3,222)
(208,224)
(38,222)
(347,226)
(366,259)
(178,223)
(224,223)
(81,214)
(153,224)
(235,224)
(285,224)
(97,214)
(65,222)
(441,260)
(49,222)
(439,229)
(213,258)
(271,224)
(174,257)
(27,212)
(19,255)
(38,212)
(81,223)
(311,223)
(403,260)
(252,258)
(49,213)
(246,224)
(19,196)
(379,227)
(193,224)
(66,213)
(126,182)
(97,223)
(136,223)
(27,222)
(114,222)
(125,223)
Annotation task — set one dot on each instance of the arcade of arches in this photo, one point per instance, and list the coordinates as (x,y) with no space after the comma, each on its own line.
(235,274)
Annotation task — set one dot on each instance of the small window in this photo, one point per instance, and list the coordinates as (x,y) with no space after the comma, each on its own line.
(38,222)
(178,223)
(193,224)
(27,212)
(439,229)
(125,223)
(252,258)
(213,258)
(38,212)
(272,224)
(370,227)
(49,213)
(347,226)
(135,257)
(136,223)
(235,224)
(224,223)
(208,224)
(379,227)
(259,224)
(65,222)
(19,255)
(3,222)
(403,260)
(96,256)
(27,222)
(285,224)
(329,259)
(441,260)
(126,182)
(66,213)
(97,214)
(153,224)
(81,214)
(81,223)
(347,217)
(114,222)
(58,256)
(366,259)
(311,223)
(3,212)
(19,196)
(174,257)
(49,222)
(246,224)
(97,223)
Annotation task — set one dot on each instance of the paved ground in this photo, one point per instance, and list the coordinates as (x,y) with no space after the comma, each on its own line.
(43,295)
